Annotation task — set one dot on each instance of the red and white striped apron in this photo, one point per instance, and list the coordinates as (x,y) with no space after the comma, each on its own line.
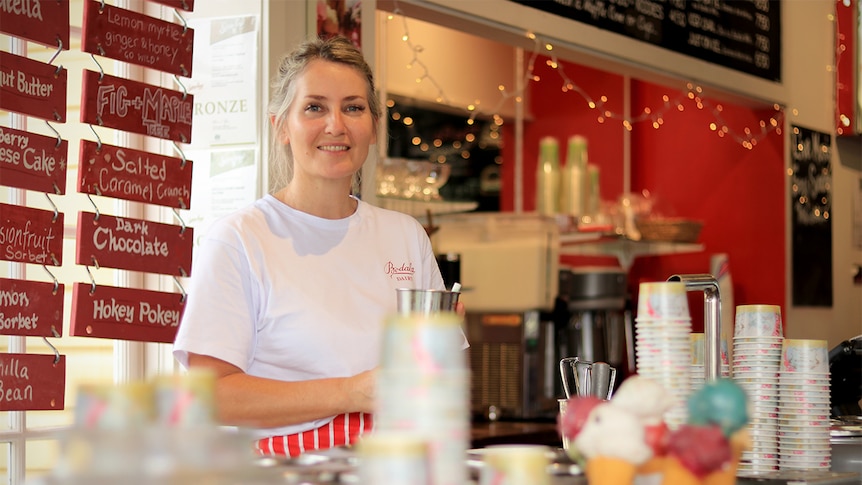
(345,429)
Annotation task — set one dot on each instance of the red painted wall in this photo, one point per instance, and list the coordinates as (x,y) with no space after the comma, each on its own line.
(690,171)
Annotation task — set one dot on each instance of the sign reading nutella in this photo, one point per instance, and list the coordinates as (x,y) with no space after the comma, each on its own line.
(31,87)
(43,22)
(30,235)
(187,5)
(31,308)
(33,162)
(136,38)
(133,244)
(32,382)
(134,175)
(136,107)
(125,313)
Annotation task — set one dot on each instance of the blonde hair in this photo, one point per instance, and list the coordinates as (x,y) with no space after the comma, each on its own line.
(335,49)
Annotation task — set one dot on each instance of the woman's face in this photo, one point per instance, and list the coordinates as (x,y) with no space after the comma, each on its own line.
(329,124)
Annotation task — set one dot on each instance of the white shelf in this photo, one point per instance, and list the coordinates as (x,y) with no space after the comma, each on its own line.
(625,250)
(421,208)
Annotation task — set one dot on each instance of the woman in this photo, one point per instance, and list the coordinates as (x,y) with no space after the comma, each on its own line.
(288,296)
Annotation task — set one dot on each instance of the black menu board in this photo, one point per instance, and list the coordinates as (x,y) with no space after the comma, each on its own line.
(744,35)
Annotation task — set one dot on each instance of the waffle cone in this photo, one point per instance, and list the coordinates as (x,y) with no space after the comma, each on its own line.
(677,474)
(603,470)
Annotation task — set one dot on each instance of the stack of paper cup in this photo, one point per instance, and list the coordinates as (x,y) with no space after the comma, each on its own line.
(757,339)
(698,357)
(663,343)
(803,413)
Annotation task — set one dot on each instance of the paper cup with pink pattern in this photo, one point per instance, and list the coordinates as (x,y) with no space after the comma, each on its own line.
(663,300)
(805,356)
(754,321)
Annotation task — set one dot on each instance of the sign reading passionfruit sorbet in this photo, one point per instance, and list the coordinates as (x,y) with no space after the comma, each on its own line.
(30,235)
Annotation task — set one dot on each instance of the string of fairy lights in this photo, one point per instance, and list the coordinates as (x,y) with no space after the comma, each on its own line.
(747,137)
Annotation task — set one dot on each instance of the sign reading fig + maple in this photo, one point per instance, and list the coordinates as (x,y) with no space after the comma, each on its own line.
(133,244)
(31,308)
(136,38)
(30,235)
(136,107)
(32,382)
(32,88)
(33,162)
(124,173)
(125,313)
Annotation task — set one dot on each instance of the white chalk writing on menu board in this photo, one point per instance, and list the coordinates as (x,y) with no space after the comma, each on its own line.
(745,36)
(32,382)
(31,308)
(33,88)
(46,23)
(30,235)
(33,162)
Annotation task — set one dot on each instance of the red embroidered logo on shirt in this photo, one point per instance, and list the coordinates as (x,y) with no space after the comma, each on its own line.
(401,273)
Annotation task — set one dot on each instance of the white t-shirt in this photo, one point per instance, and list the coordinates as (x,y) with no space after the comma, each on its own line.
(286,295)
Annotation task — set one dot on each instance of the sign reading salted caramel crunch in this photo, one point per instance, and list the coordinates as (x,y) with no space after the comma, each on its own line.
(128,174)
(125,313)
(30,235)
(33,162)
(32,382)
(43,22)
(136,38)
(133,244)
(136,107)
(32,88)
(31,308)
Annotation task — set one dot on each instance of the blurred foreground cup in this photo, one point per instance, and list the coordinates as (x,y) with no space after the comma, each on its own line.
(411,300)
(516,465)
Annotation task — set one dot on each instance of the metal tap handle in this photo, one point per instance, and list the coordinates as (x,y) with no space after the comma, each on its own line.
(712,318)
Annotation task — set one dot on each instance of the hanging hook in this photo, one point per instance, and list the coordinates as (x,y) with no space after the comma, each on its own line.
(98,214)
(59,138)
(181,153)
(56,282)
(57,53)
(56,352)
(182,19)
(181,85)
(101,71)
(180,286)
(92,280)
(98,138)
(56,211)
(182,222)
(102,6)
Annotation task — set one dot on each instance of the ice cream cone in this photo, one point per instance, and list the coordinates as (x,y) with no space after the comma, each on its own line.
(655,464)
(739,442)
(675,473)
(603,470)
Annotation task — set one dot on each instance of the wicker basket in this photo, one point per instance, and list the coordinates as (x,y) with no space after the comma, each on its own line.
(669,229)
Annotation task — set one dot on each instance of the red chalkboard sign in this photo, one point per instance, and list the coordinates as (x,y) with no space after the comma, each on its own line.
(31,308)
(32,88)
(125,313)
(30,235)
(43,22)
(187,5)
(136,107)
(32,382)
(33,162)
(128,174)
(136,38)
(133,244)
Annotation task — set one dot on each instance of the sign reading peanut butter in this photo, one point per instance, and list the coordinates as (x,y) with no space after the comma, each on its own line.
(133,244)
(128,174)
(32,382)
(32,88)
(136,38)
(43,22)
(33,162)
(31,308)
(125,313)
(136,107)
(30,235)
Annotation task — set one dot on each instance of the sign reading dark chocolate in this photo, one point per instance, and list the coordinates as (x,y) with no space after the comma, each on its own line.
(31,308)
(33,162)
(187,5)
(134,175)
(32,88)
(136,38)
(32,382)
(745,36)
(136,107)
(133,244)
(30,235)
(125,313)
(45,22)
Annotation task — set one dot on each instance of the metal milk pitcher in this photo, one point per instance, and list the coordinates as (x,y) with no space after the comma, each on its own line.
(587,378)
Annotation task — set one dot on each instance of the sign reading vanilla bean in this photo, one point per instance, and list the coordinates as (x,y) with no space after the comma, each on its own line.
(136,38)
(30,235)
(32,382)
(187,5)
(32,88)
(43,22)
(136,107)
(125,313)
(128,174)
(31,308)
(33,162)
(133,244)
